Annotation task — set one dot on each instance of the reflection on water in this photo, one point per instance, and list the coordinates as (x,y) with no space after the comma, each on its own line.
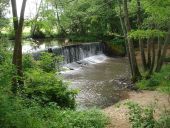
(30,45)
(97,82)
(39,45)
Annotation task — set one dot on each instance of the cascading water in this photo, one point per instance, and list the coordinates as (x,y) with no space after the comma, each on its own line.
(74,53)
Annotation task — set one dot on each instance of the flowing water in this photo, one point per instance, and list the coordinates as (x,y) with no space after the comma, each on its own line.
(96,76)
(97,80)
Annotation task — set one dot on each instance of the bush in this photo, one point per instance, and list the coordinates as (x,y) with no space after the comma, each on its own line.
(16,113)
(7,70)
(49,62)
(28,62)
(159,81)
(144,117)
(47,88)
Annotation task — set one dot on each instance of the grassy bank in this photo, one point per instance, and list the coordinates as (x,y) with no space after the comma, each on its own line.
(159,81)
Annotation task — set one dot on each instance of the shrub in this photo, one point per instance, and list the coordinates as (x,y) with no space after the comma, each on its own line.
(49,62)
(28,62)
(7,70)
(46,88)
(144,117)
(16,113)
(159,81)
(140,118)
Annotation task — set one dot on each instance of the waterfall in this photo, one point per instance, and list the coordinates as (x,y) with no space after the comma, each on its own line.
(76,52)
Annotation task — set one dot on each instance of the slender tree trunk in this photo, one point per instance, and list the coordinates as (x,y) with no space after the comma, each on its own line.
(17,55)
(124,33)
(15,15)
(164,51)
(58,20)
(135,70)
(33,27)
(149,53)
(153,58)
(158,53)
(142,54)
(141,42)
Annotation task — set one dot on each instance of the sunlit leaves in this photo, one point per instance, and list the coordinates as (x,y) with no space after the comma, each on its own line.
(157,11)
(145,34)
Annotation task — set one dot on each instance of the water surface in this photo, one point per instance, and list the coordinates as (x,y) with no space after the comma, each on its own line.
(98,82)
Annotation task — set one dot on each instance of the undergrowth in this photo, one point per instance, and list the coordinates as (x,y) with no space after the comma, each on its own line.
(143,117)
(158,81)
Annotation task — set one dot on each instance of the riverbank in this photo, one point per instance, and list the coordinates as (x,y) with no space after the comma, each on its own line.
(118,113)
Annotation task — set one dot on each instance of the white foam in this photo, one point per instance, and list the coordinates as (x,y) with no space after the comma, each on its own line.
(76,66)
(96,59)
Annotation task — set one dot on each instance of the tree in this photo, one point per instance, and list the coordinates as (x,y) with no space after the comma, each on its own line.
(17,54)
(135,70)
(141,43)
(34,24)
(153,27)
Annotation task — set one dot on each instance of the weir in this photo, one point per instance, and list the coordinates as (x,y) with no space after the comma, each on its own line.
(75,52)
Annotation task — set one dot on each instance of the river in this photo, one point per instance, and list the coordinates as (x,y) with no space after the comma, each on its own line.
(101,80)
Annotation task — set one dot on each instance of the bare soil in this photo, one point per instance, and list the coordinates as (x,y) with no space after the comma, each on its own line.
(118,115)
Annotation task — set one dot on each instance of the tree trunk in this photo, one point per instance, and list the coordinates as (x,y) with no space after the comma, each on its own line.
(33,27)
(141,42)
(135,71)
(164,51)
(124,33)
(149,53)
(158,53)
(15,15)
(153,58)
(17,55)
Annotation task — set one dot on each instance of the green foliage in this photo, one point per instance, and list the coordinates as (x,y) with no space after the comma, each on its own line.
(164,120)
(116,47)
(139,117)
(86,16)
(3,23)
(157,11)
(145,34)
(28,62)
(49,62)
(43,84)
(143,117)
(6,67)
(47,88)
(84,38)
(159,81)
(17,112)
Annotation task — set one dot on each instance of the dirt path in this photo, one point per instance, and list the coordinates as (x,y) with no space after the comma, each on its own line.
(118,116)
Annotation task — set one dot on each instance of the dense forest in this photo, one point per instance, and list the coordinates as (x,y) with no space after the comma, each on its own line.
(33,93)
